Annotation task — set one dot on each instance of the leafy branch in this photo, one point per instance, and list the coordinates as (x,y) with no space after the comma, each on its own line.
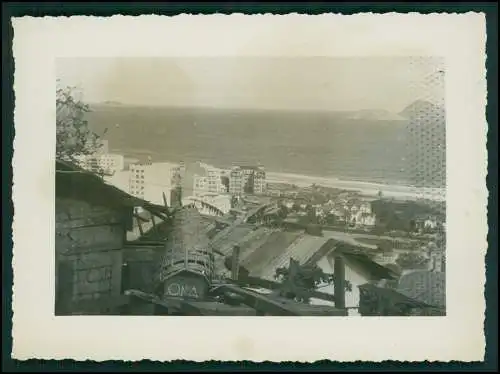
(73,135)
(305,277)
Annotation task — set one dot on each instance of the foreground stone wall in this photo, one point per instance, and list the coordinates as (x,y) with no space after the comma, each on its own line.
(89,241)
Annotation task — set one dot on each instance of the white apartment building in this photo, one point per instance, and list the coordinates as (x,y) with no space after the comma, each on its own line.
(102,160)
(107,163)
(152,181)
(120,179)
(214,179)
(200,185)
(209,180)
(110,162)
(364,219)
(247,180)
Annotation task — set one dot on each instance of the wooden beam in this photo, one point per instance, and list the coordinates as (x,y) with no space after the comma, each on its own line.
(264,283)
(315,310)
(139,218)
(164,200)
(139,224)
(216,251)
(259,302)
(213,308)
(155,228)
(144,243)
(339,285)
(157,214)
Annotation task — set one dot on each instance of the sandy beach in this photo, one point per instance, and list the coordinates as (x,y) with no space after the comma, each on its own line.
(369,189)
(365,188)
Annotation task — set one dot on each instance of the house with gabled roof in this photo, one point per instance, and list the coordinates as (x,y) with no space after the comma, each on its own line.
(359,269)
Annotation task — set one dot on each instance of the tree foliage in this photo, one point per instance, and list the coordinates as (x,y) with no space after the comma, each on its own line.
(283,211)
(411,261)
(297,278)
(73,135)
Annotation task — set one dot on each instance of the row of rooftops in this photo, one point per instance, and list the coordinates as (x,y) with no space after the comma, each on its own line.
(72,181)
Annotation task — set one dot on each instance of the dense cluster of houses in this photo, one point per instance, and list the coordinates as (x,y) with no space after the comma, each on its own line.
(343,210)
(350,209)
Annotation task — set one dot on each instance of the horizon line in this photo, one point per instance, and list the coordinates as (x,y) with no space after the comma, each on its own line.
(208,107)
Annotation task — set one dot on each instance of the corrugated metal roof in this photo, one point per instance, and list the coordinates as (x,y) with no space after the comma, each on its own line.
(246,237)
(425,286)
(301,250)
(248,244)
(233,238)
(273,247)
(253,241)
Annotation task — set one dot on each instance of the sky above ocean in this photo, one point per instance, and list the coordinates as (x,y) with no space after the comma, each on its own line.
(310,83)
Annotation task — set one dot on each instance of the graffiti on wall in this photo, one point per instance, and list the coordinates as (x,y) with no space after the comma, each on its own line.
(186,287)
(182,290)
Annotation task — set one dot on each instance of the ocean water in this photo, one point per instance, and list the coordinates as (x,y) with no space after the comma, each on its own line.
(408,152)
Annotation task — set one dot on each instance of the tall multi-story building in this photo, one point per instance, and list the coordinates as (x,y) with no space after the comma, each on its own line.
(120,179)
(200,185)
(259,181)
(102,161)
(247,180)
(216,180)
(210,179)
(107,163)
(236,182)
(151,181)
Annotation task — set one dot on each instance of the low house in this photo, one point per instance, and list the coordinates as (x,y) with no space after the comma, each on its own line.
(425,222)
(386,257)
(92,220)
(308,249)
(368,219)
(430,223)
(359,270)
(365,207)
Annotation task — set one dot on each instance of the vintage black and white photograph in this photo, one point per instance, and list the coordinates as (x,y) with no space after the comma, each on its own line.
(177,178)
(307,186)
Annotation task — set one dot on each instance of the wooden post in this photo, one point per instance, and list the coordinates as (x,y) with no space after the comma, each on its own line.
(154,226)
(164,200)
(139,224)
(339,285)
(236,262)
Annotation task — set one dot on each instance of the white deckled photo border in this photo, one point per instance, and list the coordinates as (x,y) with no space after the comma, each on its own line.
(37,333)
